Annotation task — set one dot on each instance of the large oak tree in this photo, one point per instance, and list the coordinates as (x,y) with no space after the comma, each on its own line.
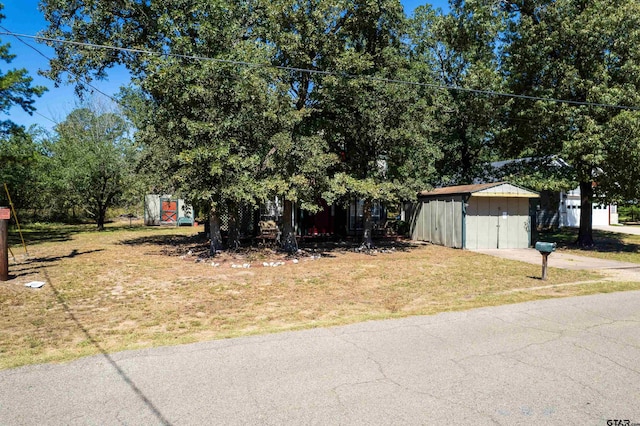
(586,51)
(232,133)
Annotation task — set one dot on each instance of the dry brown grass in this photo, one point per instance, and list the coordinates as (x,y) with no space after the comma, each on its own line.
(135,288)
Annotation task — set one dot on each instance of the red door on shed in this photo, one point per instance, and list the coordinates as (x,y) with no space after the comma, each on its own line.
(169,210)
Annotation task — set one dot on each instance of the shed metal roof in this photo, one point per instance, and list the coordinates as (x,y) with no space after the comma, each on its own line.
(493,189)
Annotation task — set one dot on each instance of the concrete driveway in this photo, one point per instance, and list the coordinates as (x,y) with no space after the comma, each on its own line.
(558,361)
(620,229)
(561,260)
(614,270)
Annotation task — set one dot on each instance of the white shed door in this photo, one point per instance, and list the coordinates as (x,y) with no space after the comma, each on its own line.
(497,223)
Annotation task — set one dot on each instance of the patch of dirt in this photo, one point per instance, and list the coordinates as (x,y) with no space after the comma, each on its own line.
(622,274)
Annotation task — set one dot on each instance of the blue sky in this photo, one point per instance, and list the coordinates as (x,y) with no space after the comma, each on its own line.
(23,17)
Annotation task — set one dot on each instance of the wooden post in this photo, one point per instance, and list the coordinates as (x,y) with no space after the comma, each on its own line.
(544,266)
(5,215)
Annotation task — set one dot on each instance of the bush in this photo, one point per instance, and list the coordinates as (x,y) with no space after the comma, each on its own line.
(629,213)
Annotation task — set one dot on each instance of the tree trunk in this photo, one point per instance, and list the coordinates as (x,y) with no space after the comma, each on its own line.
(233,239)
(367,234)
(585,233)
(102,213)
(288,237)
(256,222)
(215,236)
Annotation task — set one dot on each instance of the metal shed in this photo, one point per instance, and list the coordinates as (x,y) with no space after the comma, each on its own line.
(166,210)
(490,215)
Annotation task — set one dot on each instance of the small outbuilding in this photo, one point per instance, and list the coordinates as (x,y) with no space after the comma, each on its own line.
(166,210)
(489,215)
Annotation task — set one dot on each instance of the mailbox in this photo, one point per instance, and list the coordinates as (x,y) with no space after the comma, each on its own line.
(545,250)
(543,247)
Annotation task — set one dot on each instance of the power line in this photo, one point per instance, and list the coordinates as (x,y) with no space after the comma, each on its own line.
(28,45)
(45,117)
(84,81)
(322,72)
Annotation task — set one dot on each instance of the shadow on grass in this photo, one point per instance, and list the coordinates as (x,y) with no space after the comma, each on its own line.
(198,245)
(34,264)
(166,240)
(605,241)
(34,234)
(326,248)
(71,255)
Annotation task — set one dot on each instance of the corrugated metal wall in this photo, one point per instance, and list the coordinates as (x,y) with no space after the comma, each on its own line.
(491,222)
(439,221)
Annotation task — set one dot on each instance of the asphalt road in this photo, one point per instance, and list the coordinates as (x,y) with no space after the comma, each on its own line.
(561,361)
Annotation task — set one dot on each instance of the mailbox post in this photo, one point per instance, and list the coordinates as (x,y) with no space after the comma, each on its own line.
(5,215)
(545,250)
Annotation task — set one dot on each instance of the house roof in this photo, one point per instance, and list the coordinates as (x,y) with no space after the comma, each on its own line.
(550,161)
(493,189)
(499,170)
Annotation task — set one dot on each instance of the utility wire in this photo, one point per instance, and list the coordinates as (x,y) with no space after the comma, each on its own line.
(84,81)
(322,72)
(45,117)
(42,54)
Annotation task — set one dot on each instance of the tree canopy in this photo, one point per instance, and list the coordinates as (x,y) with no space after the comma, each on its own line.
(459,50)
(15,86)
(23,168)
(91,158)
(234,134)
(243,101)
(582,51)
